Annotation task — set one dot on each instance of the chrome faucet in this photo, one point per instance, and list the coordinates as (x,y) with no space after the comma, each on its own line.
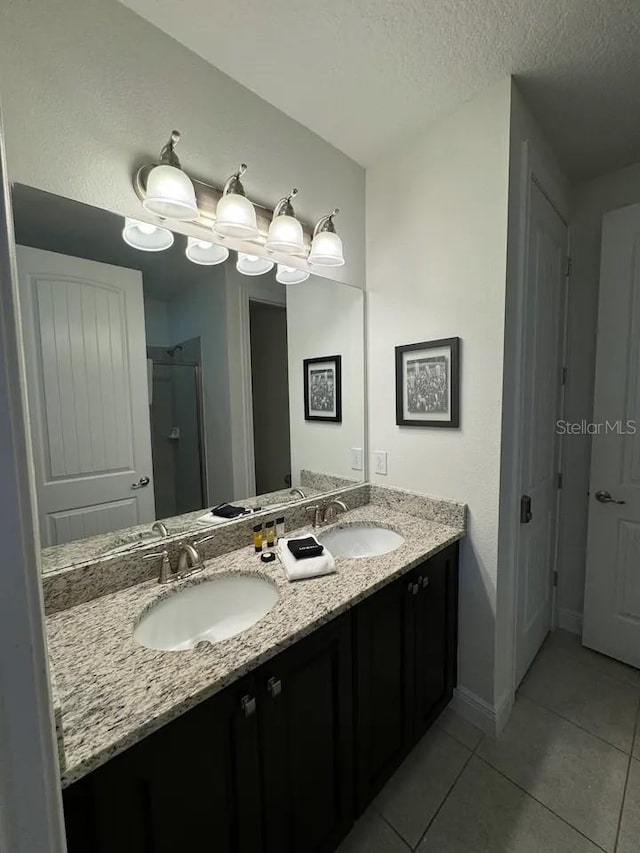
(331,509)
(160,527)
(317,514)
(189,560)
(299,492)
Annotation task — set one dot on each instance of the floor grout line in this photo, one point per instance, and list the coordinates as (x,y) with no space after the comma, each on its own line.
(391,826)
(626,780)
(577,725)
(540,803)
(591,665)
(444,800)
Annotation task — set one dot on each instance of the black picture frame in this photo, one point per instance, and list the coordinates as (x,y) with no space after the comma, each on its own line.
(316,408)
(440,356)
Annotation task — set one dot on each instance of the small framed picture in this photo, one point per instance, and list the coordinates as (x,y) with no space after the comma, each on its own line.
(428,384)
(323,389)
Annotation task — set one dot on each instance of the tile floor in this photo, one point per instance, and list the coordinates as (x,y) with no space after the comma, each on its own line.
(564,777)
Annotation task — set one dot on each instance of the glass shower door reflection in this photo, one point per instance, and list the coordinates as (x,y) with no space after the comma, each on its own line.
(176,439)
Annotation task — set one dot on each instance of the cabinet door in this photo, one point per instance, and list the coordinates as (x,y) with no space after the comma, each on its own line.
(193,785)
(434,624)
(383,686)
(306,742)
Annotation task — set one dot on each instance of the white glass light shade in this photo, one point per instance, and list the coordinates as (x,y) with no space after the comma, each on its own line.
(252,264)
(236,217)
(285,235)
(205,253)
(290,275)
(326,250)
(170,193)
(145,236)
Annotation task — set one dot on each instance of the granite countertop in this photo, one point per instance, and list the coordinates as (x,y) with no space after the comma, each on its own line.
(112,692)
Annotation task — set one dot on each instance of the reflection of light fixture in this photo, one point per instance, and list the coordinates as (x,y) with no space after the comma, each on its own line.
(252,264)
(285,232)
(169,191)
(235,215)
(145,236)
(205,253)
(326,246)
(290,275)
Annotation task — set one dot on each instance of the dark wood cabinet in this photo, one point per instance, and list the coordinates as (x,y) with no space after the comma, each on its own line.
(405,665)
(193,785)
(281,761)
(306,745)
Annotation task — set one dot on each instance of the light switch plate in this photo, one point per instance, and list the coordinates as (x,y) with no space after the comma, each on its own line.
(356,459)
(380,461)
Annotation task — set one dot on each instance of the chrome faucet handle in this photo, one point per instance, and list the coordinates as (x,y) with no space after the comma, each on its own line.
(204,539)
(160,527)
(317,514)
(166,572)
(299,492)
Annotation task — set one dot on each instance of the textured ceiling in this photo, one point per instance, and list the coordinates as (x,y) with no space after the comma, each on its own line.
(366,74)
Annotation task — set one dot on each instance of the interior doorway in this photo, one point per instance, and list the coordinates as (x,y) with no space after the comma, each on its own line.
(270,395)
(542,331)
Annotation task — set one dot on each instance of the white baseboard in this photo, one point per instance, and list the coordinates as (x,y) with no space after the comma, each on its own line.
(570,620)
(490,719)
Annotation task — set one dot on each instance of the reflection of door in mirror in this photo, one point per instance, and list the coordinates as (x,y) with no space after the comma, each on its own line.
(270,393)
(83,329)
(176,429)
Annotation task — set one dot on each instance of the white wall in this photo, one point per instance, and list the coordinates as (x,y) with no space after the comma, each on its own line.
(592,200)
(326,318)
(436,261)
(200,311)
(90,91)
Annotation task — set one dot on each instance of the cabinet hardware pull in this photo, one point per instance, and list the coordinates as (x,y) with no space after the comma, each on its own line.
(416,587)
(425,582)
(248,705)
(274,686)
(409,587)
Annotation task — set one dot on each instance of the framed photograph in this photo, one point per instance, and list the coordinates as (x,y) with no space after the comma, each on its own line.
(323,389)
(428,384)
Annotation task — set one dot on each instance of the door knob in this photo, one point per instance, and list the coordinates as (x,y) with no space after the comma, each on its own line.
(605,498)
(142,482)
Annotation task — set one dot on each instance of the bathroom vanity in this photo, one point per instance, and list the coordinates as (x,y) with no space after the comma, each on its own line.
(273,740)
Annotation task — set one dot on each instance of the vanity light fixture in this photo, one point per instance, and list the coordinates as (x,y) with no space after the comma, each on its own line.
(205,253)
(235,215)
(145,236)
(326,246)
(169,191)
(290,275)
(285,232)
(252,264)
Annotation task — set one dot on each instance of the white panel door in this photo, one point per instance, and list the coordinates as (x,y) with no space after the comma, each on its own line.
(84,339)
(545,286)
(612,592)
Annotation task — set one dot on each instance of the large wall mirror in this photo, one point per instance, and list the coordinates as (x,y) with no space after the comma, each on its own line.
(159,388)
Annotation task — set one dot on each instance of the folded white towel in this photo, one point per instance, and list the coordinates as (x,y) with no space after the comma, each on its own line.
(312,567)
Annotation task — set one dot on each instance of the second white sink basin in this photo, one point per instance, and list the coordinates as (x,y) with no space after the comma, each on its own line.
(361,540)
(207,612)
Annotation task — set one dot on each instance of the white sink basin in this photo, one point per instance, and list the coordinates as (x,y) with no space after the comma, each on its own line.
(207,612)
(361,540)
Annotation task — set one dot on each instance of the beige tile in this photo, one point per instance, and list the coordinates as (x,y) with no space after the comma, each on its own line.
(485,813)
(602,705)
(629,839)
(371,834)
(571,643)
(456,726)
(575,774)
(412,796)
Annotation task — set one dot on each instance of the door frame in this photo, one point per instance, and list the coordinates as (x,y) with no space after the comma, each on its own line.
(263,289)
(31,819)
(536,166)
